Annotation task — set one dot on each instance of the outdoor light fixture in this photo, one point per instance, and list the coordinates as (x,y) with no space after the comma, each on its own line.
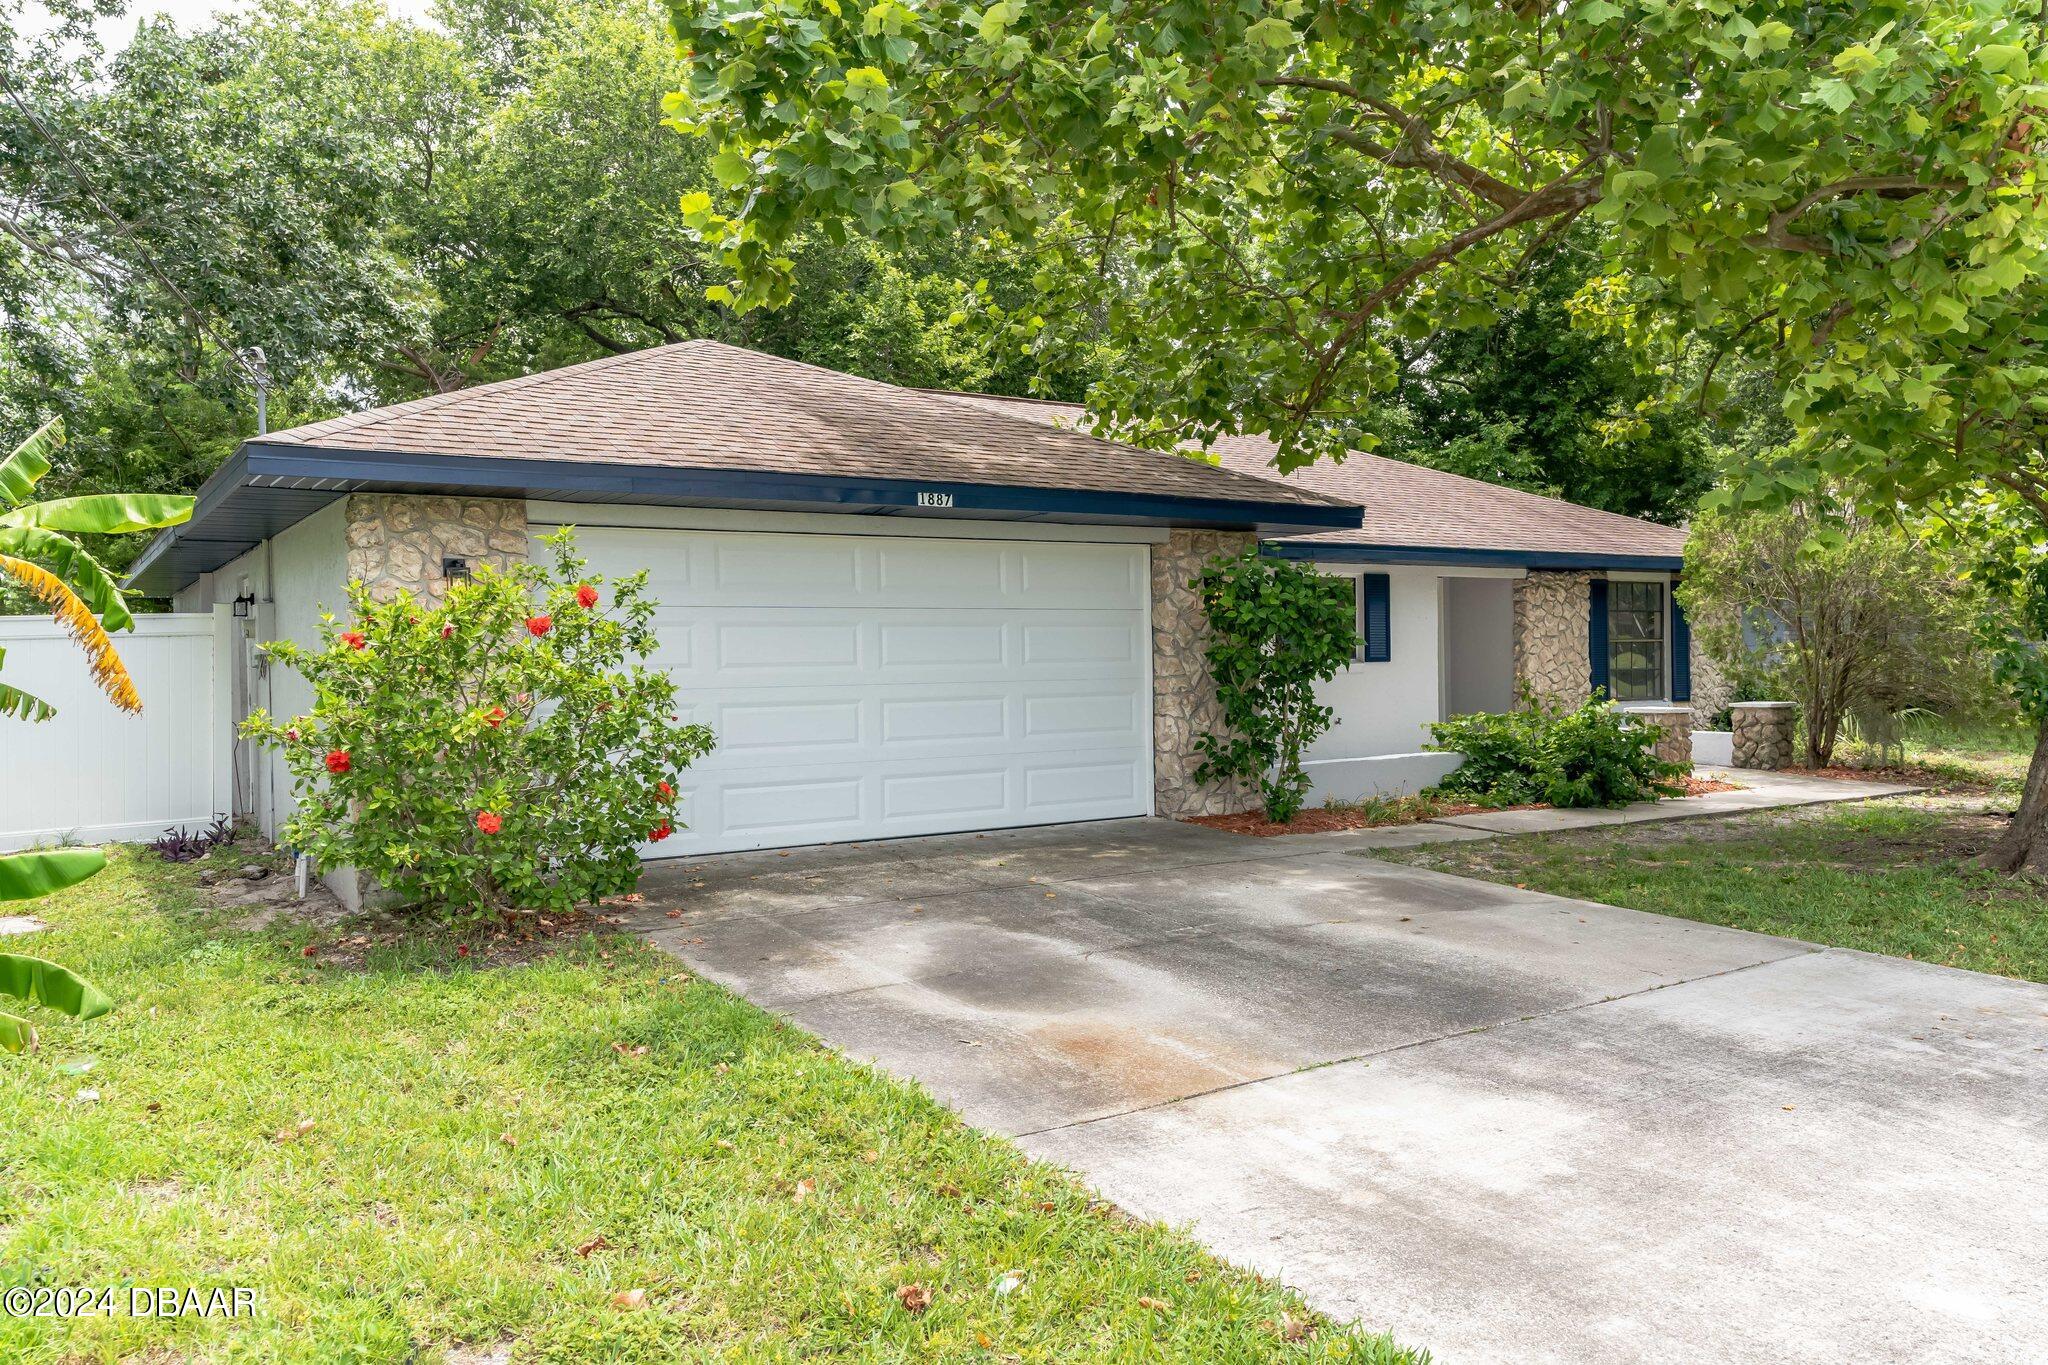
(454,567)
(243,603)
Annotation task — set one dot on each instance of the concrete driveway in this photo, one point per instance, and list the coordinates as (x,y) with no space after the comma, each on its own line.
(1501,1125)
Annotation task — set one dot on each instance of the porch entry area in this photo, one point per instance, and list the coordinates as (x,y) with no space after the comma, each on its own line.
(1479,645)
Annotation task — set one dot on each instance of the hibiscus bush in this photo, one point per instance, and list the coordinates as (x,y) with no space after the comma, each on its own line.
(504,751)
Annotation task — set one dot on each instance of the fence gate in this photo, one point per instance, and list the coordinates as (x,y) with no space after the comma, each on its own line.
(94,774)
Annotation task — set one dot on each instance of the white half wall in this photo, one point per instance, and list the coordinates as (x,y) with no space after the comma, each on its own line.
(1354,779)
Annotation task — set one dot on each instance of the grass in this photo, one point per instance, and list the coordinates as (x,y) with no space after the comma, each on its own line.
(1886,877)
(474,1132)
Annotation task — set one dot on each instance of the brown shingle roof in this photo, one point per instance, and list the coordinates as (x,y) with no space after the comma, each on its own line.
(706,405)
(1412,506)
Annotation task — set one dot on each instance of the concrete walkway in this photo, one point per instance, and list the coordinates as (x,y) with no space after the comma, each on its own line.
(1502,1125)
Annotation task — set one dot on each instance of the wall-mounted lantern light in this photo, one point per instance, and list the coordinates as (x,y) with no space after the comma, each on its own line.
(454,568)
(244,603)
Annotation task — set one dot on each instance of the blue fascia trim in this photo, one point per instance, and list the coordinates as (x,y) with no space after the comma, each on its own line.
(539,477)
(351,470)
(1417,554)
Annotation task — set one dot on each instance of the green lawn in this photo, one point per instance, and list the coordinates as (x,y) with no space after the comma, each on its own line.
(471,1130)
(1886,877)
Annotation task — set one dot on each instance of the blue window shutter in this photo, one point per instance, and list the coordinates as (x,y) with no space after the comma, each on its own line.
(1378,647)
(1596,636)
(1681,649)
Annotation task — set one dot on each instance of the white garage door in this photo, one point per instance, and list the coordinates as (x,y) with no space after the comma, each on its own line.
(869,686)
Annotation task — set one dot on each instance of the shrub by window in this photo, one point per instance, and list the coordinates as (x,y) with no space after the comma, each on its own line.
(504,751)
(1275,630)
(1593,755)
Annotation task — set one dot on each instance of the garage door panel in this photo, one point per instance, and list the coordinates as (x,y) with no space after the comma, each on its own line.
(868,686)
(929,644)
(929,720)
(804,647)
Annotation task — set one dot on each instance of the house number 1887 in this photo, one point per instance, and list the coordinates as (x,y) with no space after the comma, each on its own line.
(934,499)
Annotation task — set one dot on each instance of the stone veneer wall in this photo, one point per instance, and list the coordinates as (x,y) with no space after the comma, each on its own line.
(1674,730)
(1712,688)
(396,541)
(1551,635)
(1184,703)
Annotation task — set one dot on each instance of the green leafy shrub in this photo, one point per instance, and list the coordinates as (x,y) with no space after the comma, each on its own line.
(504,751)
(1593,755)
(1275,631)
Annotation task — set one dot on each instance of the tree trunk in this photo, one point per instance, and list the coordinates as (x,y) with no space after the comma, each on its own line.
(2025,841)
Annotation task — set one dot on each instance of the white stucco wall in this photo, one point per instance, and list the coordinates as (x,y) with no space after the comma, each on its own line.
(295,576)
(1384,710)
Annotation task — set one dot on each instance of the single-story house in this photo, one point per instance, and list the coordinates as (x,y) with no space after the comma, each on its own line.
(905,612)
(1467,593)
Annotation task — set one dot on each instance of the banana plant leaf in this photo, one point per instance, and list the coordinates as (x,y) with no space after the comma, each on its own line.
(16,1033)
(47,984)
(16,704)
(29,462)
(68,560)
(29,876)
(103,513)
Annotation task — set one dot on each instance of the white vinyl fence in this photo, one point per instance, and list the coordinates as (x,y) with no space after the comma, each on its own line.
(92,773)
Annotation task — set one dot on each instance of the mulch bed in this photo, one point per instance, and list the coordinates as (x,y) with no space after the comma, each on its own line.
(1334,820)
(526,938)
(1328,820)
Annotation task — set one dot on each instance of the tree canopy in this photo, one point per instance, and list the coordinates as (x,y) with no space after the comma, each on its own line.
(1845,191)
(389,209)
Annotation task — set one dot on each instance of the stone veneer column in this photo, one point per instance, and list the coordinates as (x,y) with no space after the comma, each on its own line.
(1763,734)
(1184,703)
(1674,723)
(396,541)
(1711,687)
(1552,635)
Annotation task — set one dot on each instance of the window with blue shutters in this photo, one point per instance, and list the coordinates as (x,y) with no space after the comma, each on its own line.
(1375,645)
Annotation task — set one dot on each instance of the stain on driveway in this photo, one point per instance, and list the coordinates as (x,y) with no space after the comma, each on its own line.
(1502,1125)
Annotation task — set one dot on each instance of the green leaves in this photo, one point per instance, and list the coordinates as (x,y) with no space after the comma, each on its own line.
(507,749)
(1275,630)
(21,470)
(47,984)
(103,513)
(31,876)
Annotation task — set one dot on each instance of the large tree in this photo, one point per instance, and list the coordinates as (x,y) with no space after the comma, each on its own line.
(388,209)
(1845,194)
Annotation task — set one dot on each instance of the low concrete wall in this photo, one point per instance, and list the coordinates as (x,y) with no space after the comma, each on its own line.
(1716,748)
(1353,779)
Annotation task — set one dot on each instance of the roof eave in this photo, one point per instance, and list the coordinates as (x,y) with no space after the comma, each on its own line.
(266,486)
(1467,556)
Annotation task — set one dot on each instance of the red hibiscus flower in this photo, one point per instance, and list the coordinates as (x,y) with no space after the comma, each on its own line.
(353,639)
(586,596)
(337,760)
(488,822)
(659,832)
(496,717)
(668,793)
(448,630)
(539,625)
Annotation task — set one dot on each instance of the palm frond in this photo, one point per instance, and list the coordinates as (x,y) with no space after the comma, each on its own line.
(70,612)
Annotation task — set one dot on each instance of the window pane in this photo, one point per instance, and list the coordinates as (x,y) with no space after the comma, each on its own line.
(1635,641)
